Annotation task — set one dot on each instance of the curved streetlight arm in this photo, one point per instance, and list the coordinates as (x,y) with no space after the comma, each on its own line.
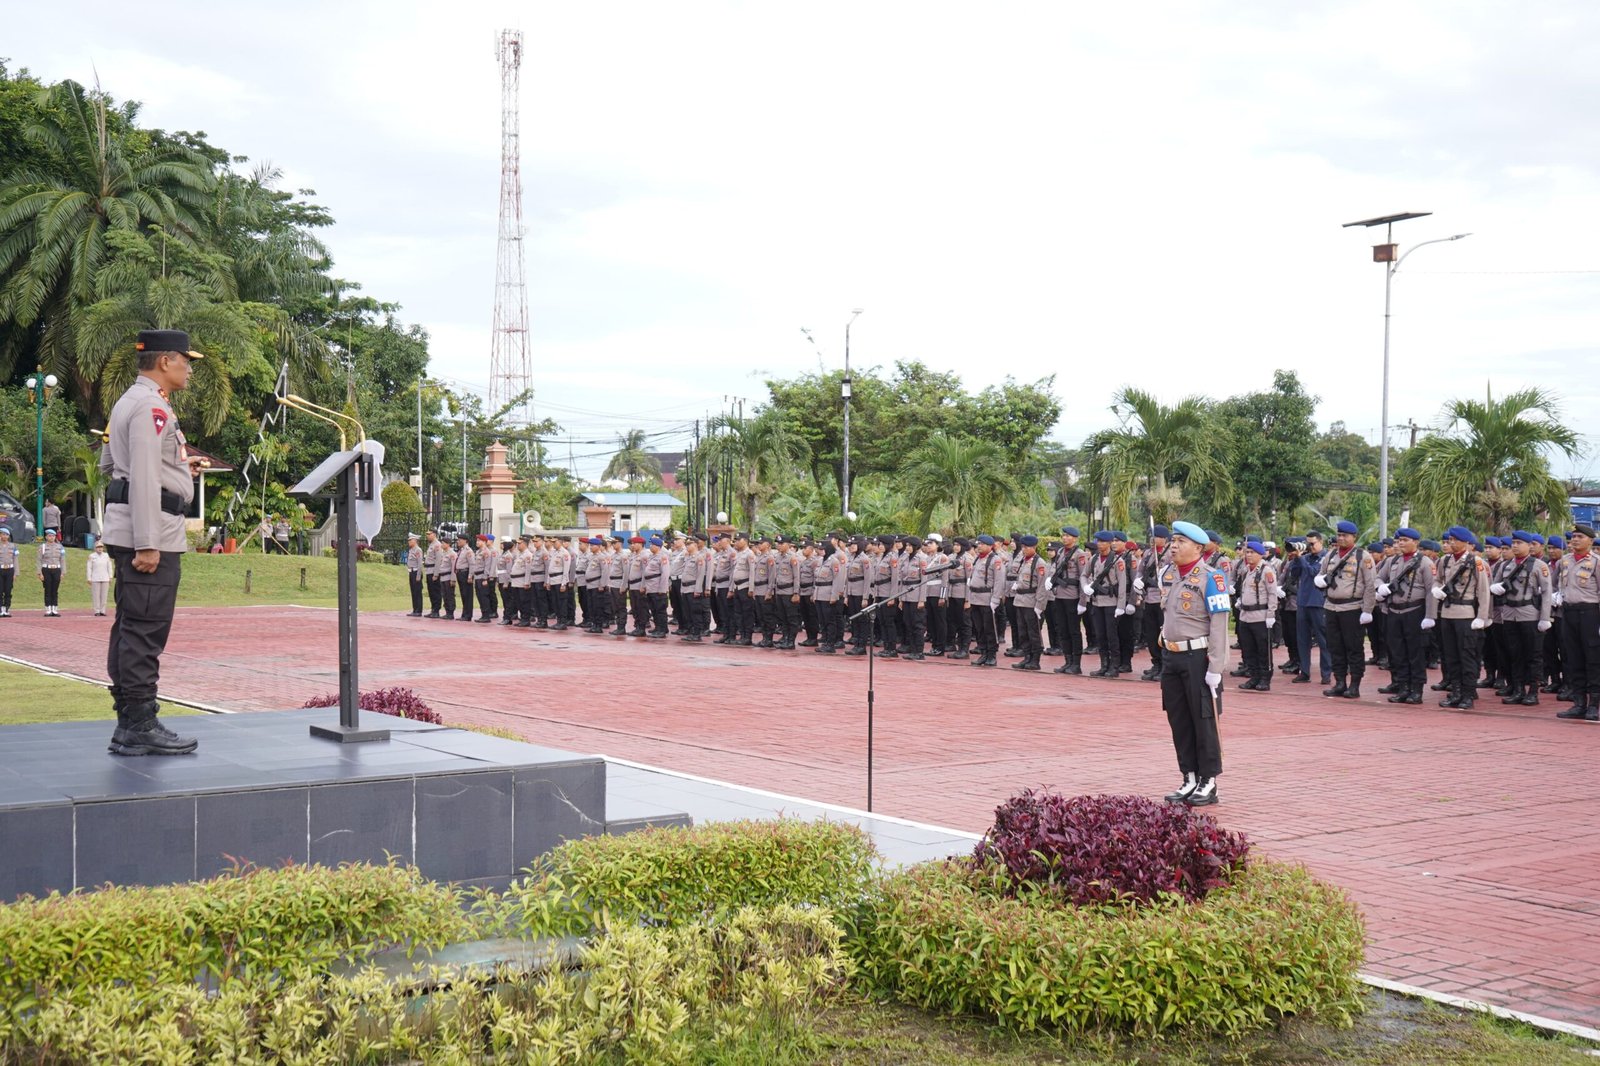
(1424,244)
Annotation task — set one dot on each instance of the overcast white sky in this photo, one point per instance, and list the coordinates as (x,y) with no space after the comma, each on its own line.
(1111,194)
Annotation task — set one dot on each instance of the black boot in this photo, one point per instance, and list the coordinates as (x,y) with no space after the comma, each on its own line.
(1576,712)
(145,735)
(1353,692)
(1389,690)
(1339,688)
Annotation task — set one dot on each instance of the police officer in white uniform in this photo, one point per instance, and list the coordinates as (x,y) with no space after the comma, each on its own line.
(151,483)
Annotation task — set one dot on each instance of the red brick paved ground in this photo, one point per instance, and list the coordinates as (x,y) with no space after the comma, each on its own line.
(1468,838)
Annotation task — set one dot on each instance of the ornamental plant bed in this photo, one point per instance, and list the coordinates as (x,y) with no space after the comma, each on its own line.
(1112,913)
(400,702)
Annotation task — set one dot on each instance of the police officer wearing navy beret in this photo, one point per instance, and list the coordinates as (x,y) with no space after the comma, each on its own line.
(1194,640)
(151,481)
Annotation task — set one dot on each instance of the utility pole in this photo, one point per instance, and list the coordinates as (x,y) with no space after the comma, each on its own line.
(844,390)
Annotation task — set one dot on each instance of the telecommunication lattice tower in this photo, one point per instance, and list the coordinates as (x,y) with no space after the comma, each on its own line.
(510,366)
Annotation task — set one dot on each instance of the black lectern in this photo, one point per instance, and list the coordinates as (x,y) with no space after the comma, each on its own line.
(357,503)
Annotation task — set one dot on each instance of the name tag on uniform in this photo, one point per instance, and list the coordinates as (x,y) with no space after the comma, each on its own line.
(1217,601)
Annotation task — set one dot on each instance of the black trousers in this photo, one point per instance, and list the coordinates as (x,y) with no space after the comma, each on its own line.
(889,626)
(447,594)
(860,632)
(1492,656)
(1002,618)
(435,594)
(1581,649)
(718,600)
(808,616)
(1191,712)
(830,622)
(52,585)
(1255,650)
(8,579)
(656,602)
(1027,635)
(561,603)
(936,612)
(1052,621)
(145,604)
(1523,646)
(1125,642)
(766,615)
(1105,624)
(1553,659)
(1152,619)
(1461,646)
(914,619)
(464,583)
(696,612)
(1345,647)
(675,600)
(1408,651)
(983,634)
(1378,635)
(416,591)
(957,624)
(487,605)
(619,609)
(745,604)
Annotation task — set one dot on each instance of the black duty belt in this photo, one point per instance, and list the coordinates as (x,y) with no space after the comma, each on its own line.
(1520,603)
(117,492)
(635,584)
(1343,599)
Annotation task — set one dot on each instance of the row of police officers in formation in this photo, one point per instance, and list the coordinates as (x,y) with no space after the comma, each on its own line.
(1520,608)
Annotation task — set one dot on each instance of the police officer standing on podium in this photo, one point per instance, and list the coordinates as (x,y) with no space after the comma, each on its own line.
(1194,642)
(151,484)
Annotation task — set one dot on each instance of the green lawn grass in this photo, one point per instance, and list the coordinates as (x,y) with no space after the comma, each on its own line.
(219,581)
(31,696)
(1395,1030)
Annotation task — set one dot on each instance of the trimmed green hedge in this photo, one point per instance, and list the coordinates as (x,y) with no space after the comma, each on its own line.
(671,876)
(658,996)
(1275,942)
(255,922)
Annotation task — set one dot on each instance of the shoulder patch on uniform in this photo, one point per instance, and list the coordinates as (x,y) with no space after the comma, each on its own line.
(1121,565)
(1480,566)
(1269,577)
(160,418)
(1217,601)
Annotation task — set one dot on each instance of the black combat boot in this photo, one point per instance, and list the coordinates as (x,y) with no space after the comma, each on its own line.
(145,735)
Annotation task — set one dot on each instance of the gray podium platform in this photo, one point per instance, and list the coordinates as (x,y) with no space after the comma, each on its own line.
(460,806)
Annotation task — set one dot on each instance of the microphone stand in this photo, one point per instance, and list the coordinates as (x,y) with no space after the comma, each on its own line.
(868,614)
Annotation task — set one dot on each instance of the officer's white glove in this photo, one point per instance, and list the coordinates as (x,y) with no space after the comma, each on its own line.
(1013,588)
(1138,584)
(1478,623)
(1214,683)
(1283,593)
(1427,623)
(1039,611)
(1439,592)
(1366,618)
(1083,608)
(1320,581)
(1088,589)
(1498,589)
(1555,599)
(1117,613)
(1544,627)
(1383,591)
(1271,621)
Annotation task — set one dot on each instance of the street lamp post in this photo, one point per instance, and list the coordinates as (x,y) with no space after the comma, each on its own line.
(844,391)
(39,386)
(1386,253)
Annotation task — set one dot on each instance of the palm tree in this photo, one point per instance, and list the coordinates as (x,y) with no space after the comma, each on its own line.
(137,290)
(1156,445)
(104,176)
(760,451)
(631,463)
(1489,460)
(969,477)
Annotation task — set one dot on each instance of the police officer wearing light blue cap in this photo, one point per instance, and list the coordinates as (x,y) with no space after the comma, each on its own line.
(1194,639)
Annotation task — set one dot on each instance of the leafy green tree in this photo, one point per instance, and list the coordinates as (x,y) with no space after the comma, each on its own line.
(1490,460)
(102,175)
(1274,468)
(762,452)
(1015,418)
(1156,445)
(968,479)
(632,462)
